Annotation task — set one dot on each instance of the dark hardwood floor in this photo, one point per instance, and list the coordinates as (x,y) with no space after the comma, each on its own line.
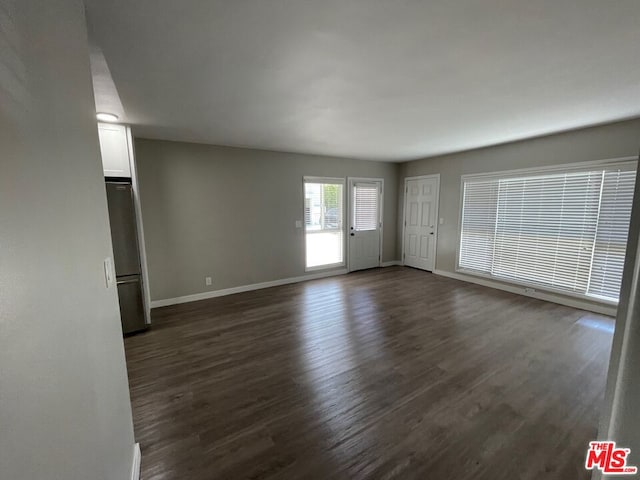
(388,373)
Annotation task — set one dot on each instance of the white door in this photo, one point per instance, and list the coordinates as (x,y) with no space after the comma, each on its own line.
(365,228)
(421,222)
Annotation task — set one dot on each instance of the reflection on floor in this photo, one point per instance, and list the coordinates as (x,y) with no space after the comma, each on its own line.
(603,324)
(388,373)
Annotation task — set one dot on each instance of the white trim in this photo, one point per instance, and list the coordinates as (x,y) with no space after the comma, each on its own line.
(244,288)
(392,263)
(350,182)
(459,226)
(404,219)
(137,459)
(541,295)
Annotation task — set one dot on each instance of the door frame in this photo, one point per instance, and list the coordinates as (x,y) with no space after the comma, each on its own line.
(435,176)
(350,181)
(319,179)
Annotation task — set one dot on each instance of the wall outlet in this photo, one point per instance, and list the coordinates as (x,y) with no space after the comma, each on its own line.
(298,223)
(207,281)
(441,221)
(530,290)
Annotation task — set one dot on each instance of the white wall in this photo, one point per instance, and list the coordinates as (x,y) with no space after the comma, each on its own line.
(64,403)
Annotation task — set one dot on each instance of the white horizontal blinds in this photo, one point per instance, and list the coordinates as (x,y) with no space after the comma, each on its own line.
(563,230)
(545,229)
(366,200)
(312,198)
(612,231)
(478,225)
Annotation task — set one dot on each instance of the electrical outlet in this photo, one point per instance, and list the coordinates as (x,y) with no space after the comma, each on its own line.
(530,290)
(298,223)
(207,281)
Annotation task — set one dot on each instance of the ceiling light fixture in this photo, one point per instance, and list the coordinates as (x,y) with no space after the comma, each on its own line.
(106,117)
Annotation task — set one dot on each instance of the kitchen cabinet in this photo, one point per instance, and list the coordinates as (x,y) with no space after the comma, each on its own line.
(114,147)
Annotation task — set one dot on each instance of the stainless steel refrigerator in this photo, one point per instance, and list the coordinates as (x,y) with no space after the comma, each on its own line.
(124,235)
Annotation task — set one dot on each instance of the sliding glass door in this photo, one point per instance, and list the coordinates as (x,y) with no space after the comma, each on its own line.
(323,222)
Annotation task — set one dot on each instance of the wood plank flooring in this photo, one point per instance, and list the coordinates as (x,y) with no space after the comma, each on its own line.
(384,374)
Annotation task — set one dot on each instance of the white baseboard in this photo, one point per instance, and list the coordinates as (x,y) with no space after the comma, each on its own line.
(392,263)
(549,297)
(244,288)
(137,459)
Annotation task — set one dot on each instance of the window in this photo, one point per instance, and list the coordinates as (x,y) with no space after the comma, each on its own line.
(560,230)
(365,201)
(323,222)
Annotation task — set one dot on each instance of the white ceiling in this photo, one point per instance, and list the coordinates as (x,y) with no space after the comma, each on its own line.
(381,80)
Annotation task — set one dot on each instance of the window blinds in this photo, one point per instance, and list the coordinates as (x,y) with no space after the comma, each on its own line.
(365,206)
(565,231)
(611,236)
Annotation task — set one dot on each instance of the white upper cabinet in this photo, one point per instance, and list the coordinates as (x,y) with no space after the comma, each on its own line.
(114,147)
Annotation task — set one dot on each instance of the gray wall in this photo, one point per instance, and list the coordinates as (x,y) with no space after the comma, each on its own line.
(64,401)
(598,143)
(230,213)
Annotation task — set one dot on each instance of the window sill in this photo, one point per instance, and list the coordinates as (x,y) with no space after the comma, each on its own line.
(538,288)
(324,267)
